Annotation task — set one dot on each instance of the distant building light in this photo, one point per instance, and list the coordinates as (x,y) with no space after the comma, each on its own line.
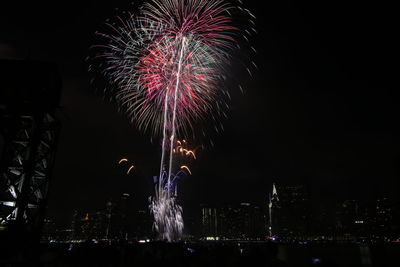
(316,260)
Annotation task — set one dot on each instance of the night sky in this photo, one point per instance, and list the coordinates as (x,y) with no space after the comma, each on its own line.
(321,111)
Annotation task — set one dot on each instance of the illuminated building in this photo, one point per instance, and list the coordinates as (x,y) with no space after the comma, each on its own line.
(142,224)
(383,217)
(48,230)
(243,221)
(290,212)
(93,226)
(209,221)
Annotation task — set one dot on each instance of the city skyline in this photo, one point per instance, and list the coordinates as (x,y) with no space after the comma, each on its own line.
(320,111)
(295,216)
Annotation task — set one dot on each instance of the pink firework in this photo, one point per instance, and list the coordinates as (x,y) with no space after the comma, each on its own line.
(209,21)
(198,79)
(143,56)
(167,65)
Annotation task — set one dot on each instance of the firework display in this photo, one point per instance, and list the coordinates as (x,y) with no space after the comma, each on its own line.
(131,166)
(166,64)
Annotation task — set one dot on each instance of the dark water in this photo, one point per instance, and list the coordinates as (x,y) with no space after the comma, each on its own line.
(340,254)
(208,254)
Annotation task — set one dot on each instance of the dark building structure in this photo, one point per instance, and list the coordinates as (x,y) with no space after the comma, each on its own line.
(366,220)
(29,98)
(290,212)
(383,218)
(124,213)
(209,222)
(48,230)
(93,226)
(118,220)
(243,221)
(353,220)
(142,224)
(85,226)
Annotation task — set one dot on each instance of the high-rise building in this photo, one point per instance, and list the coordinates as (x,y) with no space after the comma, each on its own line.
(48,230)
(383,217)
(124,208)
(353,220)
(243,221)
(209,222)
(289,211)
(272,204)
(119,218)
(395,225)
(365,219)
(142,224)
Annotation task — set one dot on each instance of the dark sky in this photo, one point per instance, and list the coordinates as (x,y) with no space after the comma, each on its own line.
(320,111)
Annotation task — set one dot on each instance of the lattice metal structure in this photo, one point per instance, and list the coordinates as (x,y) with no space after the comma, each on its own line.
(28,156)
(30,129)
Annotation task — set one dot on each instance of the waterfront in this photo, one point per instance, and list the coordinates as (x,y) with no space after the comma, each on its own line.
(215,254)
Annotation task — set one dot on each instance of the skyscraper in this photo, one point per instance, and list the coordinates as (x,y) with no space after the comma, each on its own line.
(209,221)
(273,201)
(288,211)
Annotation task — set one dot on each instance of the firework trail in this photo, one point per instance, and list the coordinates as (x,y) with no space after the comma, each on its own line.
(167,65)
(184,167)
(181,148)
(131,167)
(122,160)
